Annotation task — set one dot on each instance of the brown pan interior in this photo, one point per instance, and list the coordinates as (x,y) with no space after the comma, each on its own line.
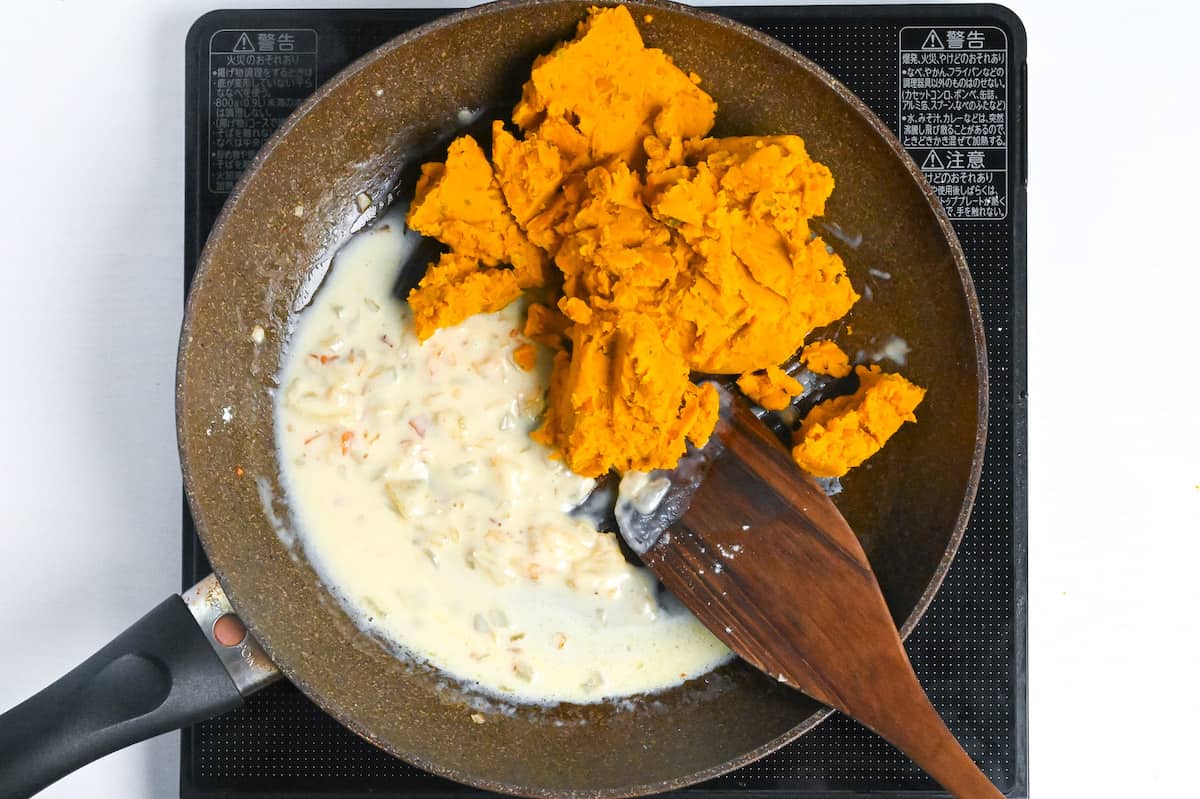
(298,203)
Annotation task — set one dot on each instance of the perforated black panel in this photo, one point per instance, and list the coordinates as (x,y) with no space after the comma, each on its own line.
(968,650)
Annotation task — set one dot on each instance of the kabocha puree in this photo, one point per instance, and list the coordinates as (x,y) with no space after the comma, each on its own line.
(773,389)
(651,252)
(841,433)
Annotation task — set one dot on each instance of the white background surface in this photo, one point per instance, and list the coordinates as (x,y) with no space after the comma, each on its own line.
(91,216)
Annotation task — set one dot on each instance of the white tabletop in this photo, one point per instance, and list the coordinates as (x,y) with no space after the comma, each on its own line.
(92,215)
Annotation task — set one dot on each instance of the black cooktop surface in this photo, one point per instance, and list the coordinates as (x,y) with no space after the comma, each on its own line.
(950,81)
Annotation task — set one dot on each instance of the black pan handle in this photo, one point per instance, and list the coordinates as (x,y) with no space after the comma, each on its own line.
(165,672)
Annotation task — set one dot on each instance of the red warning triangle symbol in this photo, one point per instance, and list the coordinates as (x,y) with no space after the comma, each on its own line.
(933,42)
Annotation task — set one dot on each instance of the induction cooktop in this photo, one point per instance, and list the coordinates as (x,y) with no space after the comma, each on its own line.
(950,81)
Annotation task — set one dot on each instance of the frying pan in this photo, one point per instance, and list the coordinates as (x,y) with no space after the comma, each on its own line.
(266,255)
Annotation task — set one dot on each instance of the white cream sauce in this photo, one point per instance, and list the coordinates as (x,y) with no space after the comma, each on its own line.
(427,509)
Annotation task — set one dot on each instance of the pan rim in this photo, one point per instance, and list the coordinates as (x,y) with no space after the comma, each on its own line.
(854,103)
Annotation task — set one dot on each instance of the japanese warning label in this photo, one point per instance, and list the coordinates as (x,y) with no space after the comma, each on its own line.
(255,79)
(954,115)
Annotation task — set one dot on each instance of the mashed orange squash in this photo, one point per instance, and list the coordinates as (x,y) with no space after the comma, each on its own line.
(653,251)
(525,356)
(456,287)
(841,433)
(459,203)
(825,358)
(773,389)
(607,91)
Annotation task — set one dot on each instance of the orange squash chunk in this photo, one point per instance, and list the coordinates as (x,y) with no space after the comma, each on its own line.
(459,203)
(773,389)
(841,433)
(455,288)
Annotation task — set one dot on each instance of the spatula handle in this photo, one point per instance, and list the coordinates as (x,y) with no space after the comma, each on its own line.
(800,600)
(926,739)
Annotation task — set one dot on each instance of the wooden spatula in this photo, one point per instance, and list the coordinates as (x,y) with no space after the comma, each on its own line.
(765,560)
